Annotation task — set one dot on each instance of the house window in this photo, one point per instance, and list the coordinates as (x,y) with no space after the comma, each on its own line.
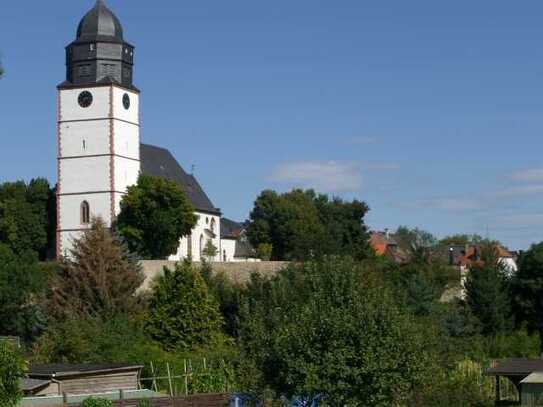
(224,256)
(85,213)
(201,245)
(212,226)
(84,144)
(91,47)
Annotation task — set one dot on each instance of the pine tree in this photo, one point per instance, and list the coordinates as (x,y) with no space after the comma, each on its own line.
(488,293)
(99,278)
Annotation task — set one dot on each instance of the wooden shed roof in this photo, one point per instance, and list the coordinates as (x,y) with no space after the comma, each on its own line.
(516,367)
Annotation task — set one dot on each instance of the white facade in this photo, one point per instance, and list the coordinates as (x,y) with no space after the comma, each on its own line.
(98,157)
(208,228)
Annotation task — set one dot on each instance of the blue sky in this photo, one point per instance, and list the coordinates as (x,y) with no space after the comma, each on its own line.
(429,111)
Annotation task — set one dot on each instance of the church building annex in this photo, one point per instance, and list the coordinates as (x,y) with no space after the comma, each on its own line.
(99,149)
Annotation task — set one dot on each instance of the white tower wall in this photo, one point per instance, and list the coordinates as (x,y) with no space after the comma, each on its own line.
(98,156)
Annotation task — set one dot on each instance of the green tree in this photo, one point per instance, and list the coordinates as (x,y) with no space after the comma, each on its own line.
(99,277)
(22,281)
(330,329)
(12,369)
(182,312)
(154,215)
(528,289)
(461,240)
(264,251)
(344,229)
(26,220)
(210,251)
(488,293)
(300,224)
(410,240)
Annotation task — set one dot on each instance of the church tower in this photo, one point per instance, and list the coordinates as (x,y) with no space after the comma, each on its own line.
(98,126)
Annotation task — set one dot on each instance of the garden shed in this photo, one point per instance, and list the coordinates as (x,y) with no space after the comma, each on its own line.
(525,374)
(532,390)
(58,379)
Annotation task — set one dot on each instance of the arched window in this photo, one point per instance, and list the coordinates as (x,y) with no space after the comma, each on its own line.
(224,256)
(201,245)
(85,213)
(212,226)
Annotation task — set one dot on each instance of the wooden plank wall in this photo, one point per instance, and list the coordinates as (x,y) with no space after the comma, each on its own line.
(199,400)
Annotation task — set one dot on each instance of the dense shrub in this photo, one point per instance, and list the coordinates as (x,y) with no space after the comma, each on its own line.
(12,369)
(96,402)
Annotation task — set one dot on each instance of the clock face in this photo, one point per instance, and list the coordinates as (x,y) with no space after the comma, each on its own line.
(126,101)
(85,99)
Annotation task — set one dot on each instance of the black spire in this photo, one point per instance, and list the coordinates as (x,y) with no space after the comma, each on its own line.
(99,54)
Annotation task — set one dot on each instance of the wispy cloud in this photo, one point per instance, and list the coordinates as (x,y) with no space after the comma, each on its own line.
(519,221)
(529,175)
(531,189)
(382,167)
(330,176)
(458,204)
(363,140)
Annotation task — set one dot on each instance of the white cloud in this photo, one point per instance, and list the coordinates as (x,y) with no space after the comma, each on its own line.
(530,175)
(331,176)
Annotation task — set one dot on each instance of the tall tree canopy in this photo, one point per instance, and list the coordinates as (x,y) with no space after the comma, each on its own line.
(488,293)
(99,278)
(528,289)
(154,215)
(330,329)
(27,216)
(22,281)
(300,224)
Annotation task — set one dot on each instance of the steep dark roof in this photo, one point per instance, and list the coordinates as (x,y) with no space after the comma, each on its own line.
(100,24)
(516,367)
(159,162)
(57,370)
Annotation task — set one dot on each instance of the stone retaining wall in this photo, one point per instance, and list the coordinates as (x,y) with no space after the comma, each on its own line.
(239,272)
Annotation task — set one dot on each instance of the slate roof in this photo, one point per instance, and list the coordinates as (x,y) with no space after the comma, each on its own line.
(58,370)
(159,162)
(100,24)
(516,367)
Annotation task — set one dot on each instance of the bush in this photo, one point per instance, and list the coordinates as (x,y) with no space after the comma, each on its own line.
(12,369)
(183,314)
(94,402)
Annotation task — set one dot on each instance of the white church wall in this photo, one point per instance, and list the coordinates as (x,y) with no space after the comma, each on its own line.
(126,140)
(85,174)
(132,113)
(199,237)
(84,138)
(70,109)
(228,249)
(66,239)
(126,173)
